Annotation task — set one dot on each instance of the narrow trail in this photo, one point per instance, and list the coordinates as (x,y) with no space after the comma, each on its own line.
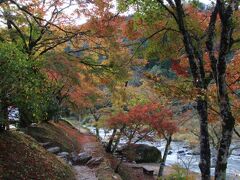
(90,144)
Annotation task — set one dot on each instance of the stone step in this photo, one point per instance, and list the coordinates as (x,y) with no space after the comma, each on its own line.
(54,150)
(46,144)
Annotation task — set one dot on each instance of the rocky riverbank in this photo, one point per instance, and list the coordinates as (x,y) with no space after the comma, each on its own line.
(184,155)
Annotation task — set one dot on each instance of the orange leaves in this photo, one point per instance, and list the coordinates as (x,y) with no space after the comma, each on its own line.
(130,31)
(233,73)
(233,84)
(102,21)
(153,115)
(77,85)
(118,120)
(181,67)
(81,96)
(198,17)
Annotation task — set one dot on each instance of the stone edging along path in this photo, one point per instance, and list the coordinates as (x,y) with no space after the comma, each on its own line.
(91,162)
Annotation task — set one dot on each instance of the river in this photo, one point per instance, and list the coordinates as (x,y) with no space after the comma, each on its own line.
(182,154)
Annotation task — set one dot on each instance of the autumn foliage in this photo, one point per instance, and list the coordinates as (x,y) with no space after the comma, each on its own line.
(146,117)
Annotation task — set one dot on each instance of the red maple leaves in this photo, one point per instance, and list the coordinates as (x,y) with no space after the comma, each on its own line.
(153,116)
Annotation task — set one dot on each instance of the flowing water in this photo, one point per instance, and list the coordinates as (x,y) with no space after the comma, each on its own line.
(181,153)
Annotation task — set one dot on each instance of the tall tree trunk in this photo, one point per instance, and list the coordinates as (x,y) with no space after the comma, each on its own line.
(225,110)
(198,74)
(223,151)
(205,153)
(163,160)
(228,122)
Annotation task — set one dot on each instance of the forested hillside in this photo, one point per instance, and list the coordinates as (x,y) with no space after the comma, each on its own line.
(155,81)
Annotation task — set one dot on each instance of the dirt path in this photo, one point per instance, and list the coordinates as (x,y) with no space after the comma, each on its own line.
(89,143)
(89,174)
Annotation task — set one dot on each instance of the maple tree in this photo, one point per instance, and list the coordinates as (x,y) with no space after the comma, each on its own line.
(140,122)
(38,26)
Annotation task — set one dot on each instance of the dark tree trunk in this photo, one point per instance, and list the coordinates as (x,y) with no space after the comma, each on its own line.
(205,153)
(97,132)
(163,160)
(199,81)
(110,143)
(228,122)
(223,151)
(225,12)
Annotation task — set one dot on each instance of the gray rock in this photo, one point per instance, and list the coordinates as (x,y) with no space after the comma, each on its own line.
(73,154)
(196,151)
(45,144)
(142,153)
(181,152)
(54,150)
(81,158)
(148,171)
(33,125)
(95,162)
(170,152)
(63,154)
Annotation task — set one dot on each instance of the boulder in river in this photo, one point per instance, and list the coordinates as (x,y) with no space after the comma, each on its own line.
(181,152)
(170,152)
(142,153)
(196,151)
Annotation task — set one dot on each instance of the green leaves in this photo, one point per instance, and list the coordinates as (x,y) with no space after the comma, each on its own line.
(23,85)
(147,9)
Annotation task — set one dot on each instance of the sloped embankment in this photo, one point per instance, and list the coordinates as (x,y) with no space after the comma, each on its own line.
(76,141)
(49,132)
(21,157)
